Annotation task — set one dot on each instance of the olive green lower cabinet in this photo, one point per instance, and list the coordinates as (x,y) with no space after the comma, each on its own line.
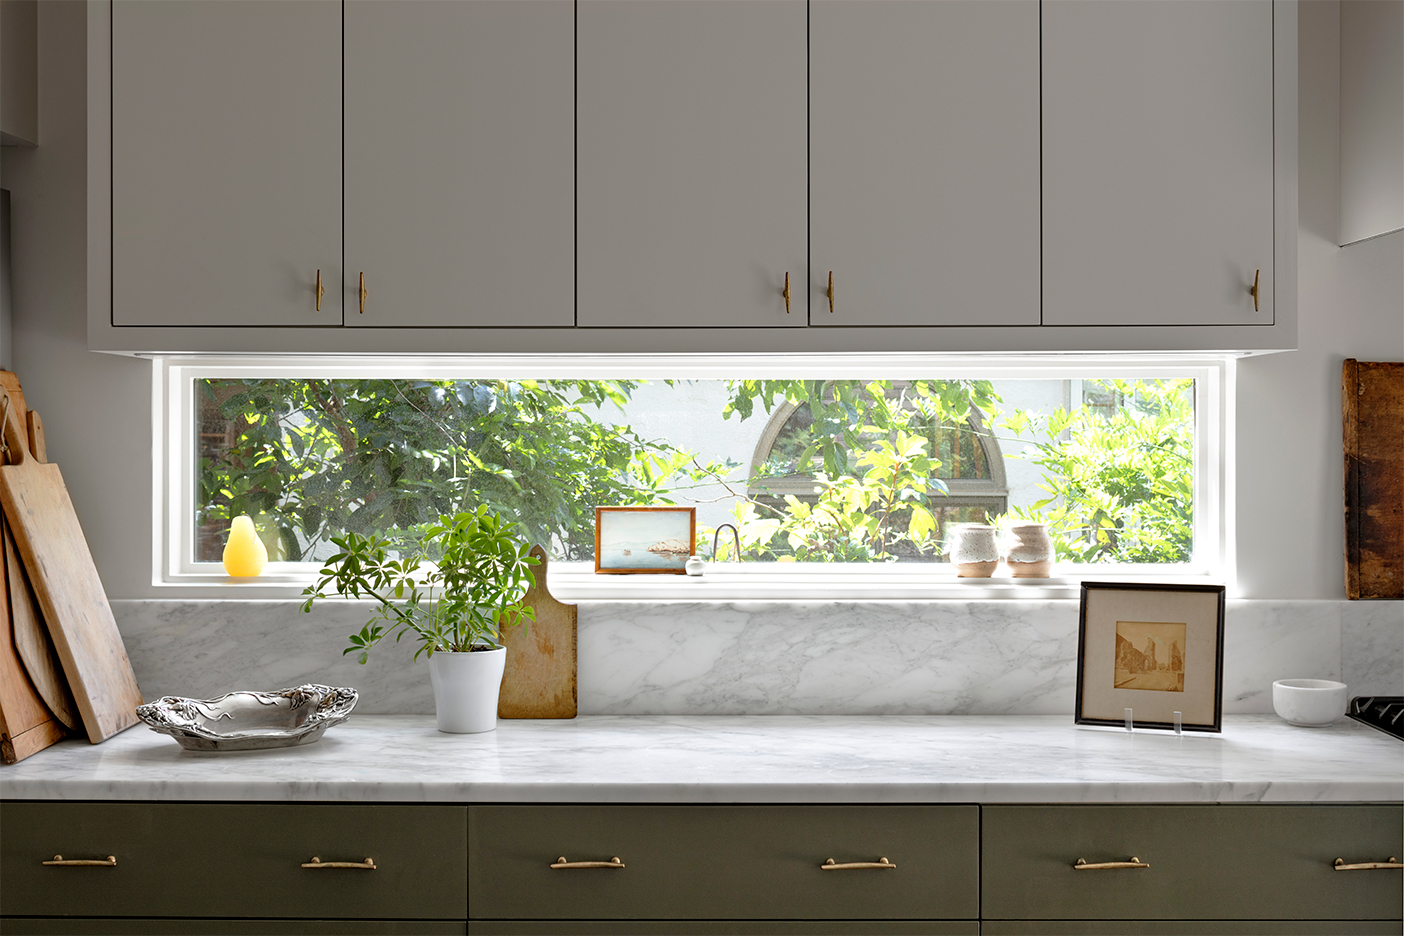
(1190,869)
(232,868)
(153,868)
(723,869)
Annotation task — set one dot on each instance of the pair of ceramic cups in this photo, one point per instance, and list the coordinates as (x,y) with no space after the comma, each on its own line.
(975,550)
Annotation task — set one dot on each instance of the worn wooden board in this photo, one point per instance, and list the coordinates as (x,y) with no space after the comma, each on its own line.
(37,446)
(1372,407)
(32,642)
(26,724)
(9,382)
(539,681)
(65,581)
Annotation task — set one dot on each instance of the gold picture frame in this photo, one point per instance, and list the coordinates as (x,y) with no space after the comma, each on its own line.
(1154,649)
(644,540)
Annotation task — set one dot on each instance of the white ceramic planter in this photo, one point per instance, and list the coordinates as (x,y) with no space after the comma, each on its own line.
(466,686)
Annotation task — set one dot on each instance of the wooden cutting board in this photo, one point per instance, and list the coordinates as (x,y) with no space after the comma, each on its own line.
(32,642)
(65,581)
(1372,405)
(26,724)
(539,680)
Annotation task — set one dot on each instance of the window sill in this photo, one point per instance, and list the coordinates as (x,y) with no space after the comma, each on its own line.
(577,582)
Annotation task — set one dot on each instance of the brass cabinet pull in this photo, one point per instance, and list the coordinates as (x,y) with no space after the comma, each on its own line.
(786,292)
(316,862)
(1340,865)
(109,862)
(1082,865)
(882,863)
(1254,290)
(320,291)
(831,292)
(561,864)
(363,294)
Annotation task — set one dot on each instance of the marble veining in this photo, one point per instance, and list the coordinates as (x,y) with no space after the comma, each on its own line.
(940,657)
(712,759)
(1372,647)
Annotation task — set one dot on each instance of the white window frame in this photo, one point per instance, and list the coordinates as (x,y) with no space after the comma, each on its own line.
(174,481)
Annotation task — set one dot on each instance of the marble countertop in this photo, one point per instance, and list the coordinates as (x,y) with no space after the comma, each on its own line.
(750,759)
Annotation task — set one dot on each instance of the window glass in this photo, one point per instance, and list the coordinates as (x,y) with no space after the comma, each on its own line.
(808,470)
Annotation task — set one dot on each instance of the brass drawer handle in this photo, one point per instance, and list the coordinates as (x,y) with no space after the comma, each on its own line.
(109,862)
(561,863)
(856,865)
(316,862)
(1340,865)
(1082,865)
(786,292)
(1254,290)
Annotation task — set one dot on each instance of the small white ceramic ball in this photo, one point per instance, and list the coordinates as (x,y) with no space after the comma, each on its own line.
(1311,703)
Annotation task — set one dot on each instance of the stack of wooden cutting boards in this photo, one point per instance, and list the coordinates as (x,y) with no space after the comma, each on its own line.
(63,667)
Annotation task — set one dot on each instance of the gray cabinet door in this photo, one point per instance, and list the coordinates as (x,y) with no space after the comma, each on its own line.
(924,162)
(1157,162)
(226,162)
(691,163)
(460,166)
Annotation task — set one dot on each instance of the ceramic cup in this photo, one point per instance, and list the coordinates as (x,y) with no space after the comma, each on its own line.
(1311,703)
(1029,551)
(974,551)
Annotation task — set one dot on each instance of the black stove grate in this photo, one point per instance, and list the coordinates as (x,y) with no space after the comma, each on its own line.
(1383,712)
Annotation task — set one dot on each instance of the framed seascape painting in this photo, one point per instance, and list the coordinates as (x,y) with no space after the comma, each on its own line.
(634,540)
(1156,650)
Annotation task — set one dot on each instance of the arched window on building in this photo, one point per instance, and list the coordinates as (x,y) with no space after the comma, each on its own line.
(972,467)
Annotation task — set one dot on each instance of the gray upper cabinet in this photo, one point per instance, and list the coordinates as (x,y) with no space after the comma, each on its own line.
(226,163)
(1157,162)
(691,163)
(646,176)
(460,166)
(924,162)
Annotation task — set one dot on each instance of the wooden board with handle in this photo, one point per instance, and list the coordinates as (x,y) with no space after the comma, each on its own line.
(27,723)
(1372,405)
(539,680)
(65,581)
(32,642)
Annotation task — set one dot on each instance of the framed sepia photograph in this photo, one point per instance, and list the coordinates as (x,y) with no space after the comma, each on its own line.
(642,540)
(1154,649)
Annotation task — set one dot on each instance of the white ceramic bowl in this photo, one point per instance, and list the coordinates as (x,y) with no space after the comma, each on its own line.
(1311,703)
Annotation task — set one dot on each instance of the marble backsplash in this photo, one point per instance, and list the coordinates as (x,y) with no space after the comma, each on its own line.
(766,658)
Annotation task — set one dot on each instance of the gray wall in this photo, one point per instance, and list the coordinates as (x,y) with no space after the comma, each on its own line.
(1351,304)
(96,407)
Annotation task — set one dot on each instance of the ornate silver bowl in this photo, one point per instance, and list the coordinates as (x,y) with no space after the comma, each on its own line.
(248,721)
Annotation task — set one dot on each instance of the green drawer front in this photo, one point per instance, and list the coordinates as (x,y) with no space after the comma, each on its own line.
(723,862)
(234,860)
(1250,862)
(723,928)
(137,926)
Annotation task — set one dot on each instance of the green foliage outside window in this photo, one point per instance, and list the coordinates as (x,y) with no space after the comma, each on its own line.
(314,459)
(1121,486)
(317,459)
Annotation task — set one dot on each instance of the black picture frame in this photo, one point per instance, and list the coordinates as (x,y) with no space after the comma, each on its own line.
(1083,702)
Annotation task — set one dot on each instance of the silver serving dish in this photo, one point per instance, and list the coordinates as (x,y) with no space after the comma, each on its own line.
(250,721)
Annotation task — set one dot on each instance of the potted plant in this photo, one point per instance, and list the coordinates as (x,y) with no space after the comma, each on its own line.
(455,592)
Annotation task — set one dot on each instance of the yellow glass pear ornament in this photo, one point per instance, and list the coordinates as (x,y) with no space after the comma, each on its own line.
(244,553)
